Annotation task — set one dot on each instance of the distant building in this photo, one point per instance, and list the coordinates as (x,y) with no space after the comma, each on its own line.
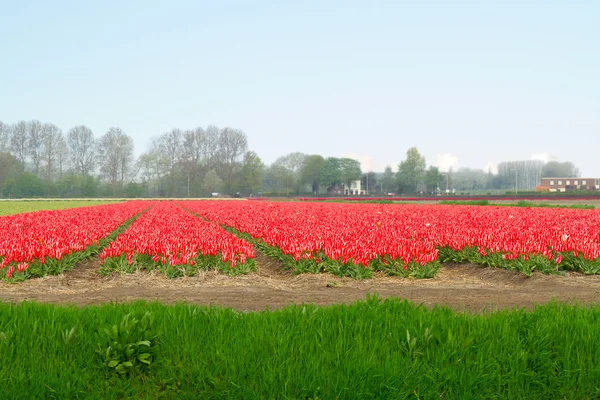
(353,189)
(569,184)
(335,189)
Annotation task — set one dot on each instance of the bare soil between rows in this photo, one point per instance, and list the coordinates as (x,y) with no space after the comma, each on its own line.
(461,287)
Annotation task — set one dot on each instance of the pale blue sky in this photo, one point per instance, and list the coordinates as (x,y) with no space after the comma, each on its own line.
(471,82)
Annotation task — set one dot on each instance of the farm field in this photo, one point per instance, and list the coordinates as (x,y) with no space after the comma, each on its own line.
(411,240)
(10,207)
(170,239)
(137,258)
(49,242)
(355,240)
(191,259)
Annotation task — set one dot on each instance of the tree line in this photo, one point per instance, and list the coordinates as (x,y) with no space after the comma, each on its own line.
(40,160)
(412,177)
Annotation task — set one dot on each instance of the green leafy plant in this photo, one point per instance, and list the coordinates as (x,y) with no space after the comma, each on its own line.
(130,347)
(69,335)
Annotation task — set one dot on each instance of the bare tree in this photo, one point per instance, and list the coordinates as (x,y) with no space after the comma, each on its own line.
(18,141)
(211,147)
(145,163)
(520,175)
(125,157)
(175,160)
(52,140)
(200,153)
(5,131)
(61,156)
(35,143)
(115,150)
(193,141)
(233,144)
(212,182)
(170,144)
(152,169)
(82,148)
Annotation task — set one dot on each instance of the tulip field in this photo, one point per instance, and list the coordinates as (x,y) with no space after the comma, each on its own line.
(309,237)
(358,239)
(49,242)
(171,239)
(179,238)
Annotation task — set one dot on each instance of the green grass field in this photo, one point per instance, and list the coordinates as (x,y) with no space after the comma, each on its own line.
(520,203)
(372,349)
(21,206)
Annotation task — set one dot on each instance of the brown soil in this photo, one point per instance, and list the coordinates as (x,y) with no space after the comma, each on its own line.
(462,287)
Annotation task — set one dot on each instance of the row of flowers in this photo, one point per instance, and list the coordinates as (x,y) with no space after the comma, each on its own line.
(171,239)
(398,237)
(49,242)
(345,239)
(314,237)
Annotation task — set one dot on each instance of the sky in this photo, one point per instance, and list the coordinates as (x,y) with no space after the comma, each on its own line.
(469,83)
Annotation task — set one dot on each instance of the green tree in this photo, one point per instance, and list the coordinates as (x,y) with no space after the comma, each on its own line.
(29,185)
(134,190)
(212,181)
(278,178)
(388,179)
(287,172)
(350,170)
(555,169)
(411,172)
(433,177)
(252,173)
(331,172)
(270,182)
(75,185)
(89,186)
(311,171)
(468,179)
(10,169)
(8,187)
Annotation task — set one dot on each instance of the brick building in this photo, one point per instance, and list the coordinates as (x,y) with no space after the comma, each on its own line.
(568,184)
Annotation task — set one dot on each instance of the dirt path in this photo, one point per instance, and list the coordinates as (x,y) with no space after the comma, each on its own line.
(462,287)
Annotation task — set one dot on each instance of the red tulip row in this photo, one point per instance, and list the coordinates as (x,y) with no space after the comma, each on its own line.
(176,242)
(38,243)
(388,236)
(337,238)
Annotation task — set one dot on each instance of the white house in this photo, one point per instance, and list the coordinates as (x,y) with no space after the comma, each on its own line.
(354,189)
